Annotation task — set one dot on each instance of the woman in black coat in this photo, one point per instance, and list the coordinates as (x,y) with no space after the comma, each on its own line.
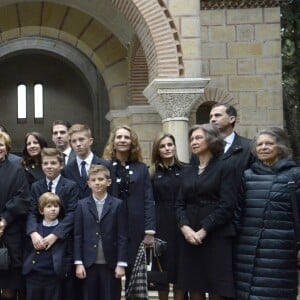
(131,183)
(32,160)
(266,248)
(166,175)
(14,204)
(205,209)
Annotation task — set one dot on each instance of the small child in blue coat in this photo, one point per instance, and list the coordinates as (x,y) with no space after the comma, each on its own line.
(44,270)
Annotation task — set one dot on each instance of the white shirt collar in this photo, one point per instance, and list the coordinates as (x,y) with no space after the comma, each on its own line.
(67,154)
(102,201)
(51,223)
(54,182)
(88,161)
(229,140)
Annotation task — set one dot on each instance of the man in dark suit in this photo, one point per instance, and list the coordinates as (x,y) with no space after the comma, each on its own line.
(100,239)
(52,164)
(237,149)
(81,141)
(61,139)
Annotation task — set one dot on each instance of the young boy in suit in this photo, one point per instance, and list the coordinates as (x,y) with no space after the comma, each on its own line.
(52,164)
(81,141)
(45,269)
(100,239)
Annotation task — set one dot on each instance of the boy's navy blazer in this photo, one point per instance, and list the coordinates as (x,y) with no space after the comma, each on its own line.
(68,193)
(61,252)
(71,171)
(112,227)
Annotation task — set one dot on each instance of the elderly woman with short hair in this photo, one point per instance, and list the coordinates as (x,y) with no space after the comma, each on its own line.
(205,209)
(266,248)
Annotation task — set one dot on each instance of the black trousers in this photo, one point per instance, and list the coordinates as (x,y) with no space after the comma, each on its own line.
(43,288)
(100,283)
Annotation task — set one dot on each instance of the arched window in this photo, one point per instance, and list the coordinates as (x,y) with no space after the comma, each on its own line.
(38,101)
(22,113)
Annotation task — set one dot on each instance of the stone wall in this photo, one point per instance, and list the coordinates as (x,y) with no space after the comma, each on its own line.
(241,53)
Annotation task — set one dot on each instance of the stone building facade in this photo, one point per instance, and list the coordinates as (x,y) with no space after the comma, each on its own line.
(153,64)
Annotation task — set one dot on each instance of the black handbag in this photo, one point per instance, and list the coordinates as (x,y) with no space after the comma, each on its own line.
(159,247)
(4,257)
(157,279)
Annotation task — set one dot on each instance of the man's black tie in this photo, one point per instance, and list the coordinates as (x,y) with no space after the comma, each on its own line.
(83,171)
(50,186)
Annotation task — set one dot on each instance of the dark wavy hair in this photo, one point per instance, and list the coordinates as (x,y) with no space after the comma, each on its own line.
(214,139)
(27,159)
(156,159)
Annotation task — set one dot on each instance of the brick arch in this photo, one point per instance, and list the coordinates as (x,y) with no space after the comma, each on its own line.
(138,74)
(211,96)
(151,22)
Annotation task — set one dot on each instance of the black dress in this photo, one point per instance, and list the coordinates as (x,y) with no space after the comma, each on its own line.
(166,183)
(207,201)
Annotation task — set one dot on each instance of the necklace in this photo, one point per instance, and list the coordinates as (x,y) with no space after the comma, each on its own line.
(201,169)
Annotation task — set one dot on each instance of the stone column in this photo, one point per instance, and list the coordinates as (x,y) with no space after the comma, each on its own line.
(174,99)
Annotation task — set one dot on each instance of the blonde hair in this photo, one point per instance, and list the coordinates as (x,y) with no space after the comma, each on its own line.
(95,169)
(7,140)
(135,154)
(48,198)
(80,128)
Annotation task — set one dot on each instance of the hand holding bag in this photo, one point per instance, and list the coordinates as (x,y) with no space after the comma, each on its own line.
(4,257)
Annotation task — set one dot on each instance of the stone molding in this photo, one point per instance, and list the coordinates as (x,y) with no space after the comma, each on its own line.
(129,111)
(237,4)
(174,98)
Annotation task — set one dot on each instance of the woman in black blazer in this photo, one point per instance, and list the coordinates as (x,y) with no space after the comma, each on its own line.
(204,209)
(166,175)
(131,183)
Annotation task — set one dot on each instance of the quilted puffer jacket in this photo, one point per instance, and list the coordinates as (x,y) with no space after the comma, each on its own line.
(265,253)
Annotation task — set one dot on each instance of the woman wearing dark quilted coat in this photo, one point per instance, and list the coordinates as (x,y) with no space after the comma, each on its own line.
(266,249)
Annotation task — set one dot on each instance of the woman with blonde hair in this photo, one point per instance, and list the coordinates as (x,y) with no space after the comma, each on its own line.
(14,205)
(131,183)
(166,177)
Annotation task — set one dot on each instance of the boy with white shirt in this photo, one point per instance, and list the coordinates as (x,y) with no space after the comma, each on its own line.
(52,164)
(100,239)
(45,269)
(81,141)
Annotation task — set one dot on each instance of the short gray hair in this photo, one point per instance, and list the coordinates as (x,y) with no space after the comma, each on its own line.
(281,140)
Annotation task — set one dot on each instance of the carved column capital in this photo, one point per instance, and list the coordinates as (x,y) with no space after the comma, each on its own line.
(174,98)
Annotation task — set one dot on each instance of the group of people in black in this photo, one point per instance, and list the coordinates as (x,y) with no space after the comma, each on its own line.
(73,222)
